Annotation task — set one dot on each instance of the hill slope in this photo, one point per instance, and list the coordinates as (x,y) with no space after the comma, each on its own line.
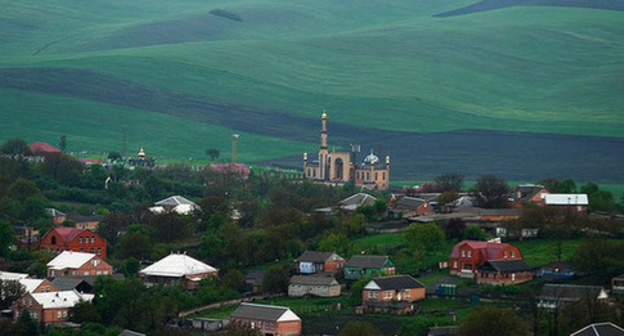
(382,69)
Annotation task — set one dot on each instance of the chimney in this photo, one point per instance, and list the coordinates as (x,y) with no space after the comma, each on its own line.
(234,147)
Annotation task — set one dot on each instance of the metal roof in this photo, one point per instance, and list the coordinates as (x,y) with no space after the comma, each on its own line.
(70,259)
(367,261)
(566,199)
(177,265)
(264,312)
(313,280)
(397,282)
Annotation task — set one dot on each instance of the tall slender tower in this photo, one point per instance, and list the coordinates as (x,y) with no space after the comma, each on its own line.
(235,147)
(323,152)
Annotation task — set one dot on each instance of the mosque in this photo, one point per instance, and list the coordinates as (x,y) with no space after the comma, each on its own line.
(342,167)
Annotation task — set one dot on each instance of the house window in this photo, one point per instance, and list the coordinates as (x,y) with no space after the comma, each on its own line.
(505,255)
(407,293)
(388,295)
(93,239)
(469,254)
(80,240)
(34,315)
(92,250)
(86,273)
(53,240)
(454,264)
(81,249)
(513,254)
(99,251)
(383,175)
(58,314)
(463,253)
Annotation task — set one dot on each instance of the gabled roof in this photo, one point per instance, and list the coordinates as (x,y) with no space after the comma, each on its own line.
(12,276)
(318,257)
(368,261)
(313,280)
(68,233)
(397,282)
(30,284)
(264,312)
(64,299)
(174,201)
(42,147)
(524,192)
(512,265)
(70,283)
(359,199)
(571,292)
(600,329)
(410,201)
(177,265)
(566,199)
(127,332)
(70,259)
(489,251)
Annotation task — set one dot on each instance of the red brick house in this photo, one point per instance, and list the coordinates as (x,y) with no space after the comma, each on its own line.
(504,272)
(62,238)
(37,286)
(51,307)
(468,255)
(382,294)
(70,263)
(270,320)
(311,262)
(40,148)
(413,204)
(177,269)
(528,193)
(57,216)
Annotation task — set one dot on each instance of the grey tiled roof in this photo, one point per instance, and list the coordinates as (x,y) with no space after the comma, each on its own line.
(600,329)
(514,265)
(367,261)
(313,256)
(397,282)
(312,280)
(258,312)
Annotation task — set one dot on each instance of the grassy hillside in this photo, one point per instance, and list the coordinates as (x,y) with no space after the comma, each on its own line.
(268,67)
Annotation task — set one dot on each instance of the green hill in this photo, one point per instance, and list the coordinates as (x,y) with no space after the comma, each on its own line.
(267,68)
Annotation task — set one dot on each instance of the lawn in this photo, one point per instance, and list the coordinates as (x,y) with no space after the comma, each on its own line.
(383,71)
(538,252)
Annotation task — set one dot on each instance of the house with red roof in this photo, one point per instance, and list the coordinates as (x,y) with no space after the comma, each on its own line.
(63,238)
(39,148)
(469,255)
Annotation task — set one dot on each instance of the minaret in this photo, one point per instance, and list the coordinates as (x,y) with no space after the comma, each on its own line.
(305,165)
(372,168)
(387,182)
(323,152)
(235,147)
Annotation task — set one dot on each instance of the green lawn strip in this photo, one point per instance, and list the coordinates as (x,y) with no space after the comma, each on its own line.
(537,252)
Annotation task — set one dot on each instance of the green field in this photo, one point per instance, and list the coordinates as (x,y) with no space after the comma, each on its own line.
(181,79)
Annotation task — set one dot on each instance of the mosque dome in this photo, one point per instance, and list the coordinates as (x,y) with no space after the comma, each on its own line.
(371,159)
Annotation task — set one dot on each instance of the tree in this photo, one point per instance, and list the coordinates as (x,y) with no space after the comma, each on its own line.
(170,227)
(472,232)
(114,156)
(84,312)
(10,291)
(275,280)
(358,328)
(62,143)
(7,237)
(15,146)
(130,267)
(355,292)
(22,189)
(234,279)
(449,182)
(494,321)
(455,228)
(424,237)
(213,153)
(600,258)
(490,192)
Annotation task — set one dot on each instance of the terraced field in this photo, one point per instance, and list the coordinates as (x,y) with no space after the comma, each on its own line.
(494,91)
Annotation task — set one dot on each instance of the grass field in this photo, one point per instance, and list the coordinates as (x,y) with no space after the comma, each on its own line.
(383,71)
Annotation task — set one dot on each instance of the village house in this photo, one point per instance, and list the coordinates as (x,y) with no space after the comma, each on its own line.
(600,329)
(86,222)
(468,255)
(41,148)
(57,216)
(239,169)
(556,270)
(311,262)
(38,286)
(63,238)
(323,286)
(383,294)
(50,307)
(70,263)
(527,193)
(504,272)
(364,266)
(176,204)
(177,269)
(571,202)
(418,206)
(350,204)
(82,284)
(617,285)
(253,281)
(269,320)
(554,296)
